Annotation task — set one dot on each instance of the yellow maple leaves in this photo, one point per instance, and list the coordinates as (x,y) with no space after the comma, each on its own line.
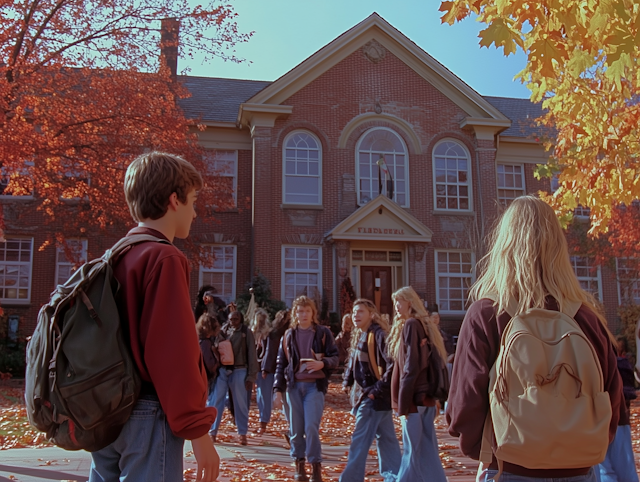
(583,65)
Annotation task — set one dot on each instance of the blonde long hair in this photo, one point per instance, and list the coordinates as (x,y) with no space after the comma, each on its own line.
(375,318)
(528,260)
(419,312)
(260,325)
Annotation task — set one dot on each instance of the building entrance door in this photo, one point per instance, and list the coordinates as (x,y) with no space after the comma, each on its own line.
(375,285)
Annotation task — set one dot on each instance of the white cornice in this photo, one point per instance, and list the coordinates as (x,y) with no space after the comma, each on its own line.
(261,115)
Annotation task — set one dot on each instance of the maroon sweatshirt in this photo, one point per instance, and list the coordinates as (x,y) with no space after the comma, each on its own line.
(477,350)
(155,303)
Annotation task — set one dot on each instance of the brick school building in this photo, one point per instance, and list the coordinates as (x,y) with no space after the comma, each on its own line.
(369,160)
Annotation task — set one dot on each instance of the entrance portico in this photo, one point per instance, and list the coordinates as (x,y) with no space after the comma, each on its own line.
(381,248)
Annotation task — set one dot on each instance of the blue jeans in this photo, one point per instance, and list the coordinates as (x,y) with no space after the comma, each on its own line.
(306,404)
(619,465)
(507,477)
(231,380)
(146,449)
(420,460)
(264,396)
(371,424)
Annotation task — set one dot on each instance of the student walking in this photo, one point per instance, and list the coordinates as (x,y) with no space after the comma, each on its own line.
(413,338)
(305,360)
(264,381)
(237,378)
(528,297)
(281,324)
(154,303)
(370,368)
(619,465)
(208,328)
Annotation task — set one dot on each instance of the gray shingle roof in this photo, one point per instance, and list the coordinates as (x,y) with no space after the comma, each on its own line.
(215,99)
(522,113)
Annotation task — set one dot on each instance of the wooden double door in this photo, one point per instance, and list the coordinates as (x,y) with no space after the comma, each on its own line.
(375,285)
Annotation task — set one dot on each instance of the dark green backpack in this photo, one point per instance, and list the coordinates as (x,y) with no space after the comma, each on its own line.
(81,381)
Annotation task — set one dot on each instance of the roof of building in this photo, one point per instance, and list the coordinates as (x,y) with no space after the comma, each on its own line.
(523,114)
(215,99)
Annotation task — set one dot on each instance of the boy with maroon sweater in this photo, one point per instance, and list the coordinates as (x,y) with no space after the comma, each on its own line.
(155,306)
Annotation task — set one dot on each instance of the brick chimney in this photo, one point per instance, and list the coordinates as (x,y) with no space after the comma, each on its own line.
(169,41)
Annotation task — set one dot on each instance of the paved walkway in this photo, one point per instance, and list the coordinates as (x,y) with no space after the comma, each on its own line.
(266,457)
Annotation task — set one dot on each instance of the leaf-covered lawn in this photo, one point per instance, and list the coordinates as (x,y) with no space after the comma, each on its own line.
(15,431)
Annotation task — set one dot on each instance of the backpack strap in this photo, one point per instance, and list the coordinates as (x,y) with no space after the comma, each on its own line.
(373,358)
(129,241)
(570,308)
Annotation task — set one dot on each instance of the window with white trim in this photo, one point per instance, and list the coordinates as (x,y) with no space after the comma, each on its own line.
(628,270)
(222,273)
(302,183)
(224,163)
(510,182)
(452,176)
(382,143)
(16,255)
(588,274)
(454,276)
(301,272)
(66,265)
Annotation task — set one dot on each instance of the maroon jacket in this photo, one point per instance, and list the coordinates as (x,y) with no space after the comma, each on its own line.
(409,377)
(477,350)
(154,302)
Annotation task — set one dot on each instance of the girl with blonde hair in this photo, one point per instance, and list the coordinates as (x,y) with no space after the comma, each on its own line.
(412,337)
(260,326)
(527,266)
(370,368)
(306,358)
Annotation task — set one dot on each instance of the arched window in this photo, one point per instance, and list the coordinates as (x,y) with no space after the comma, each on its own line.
(302,169)
(452,176)
(375,144)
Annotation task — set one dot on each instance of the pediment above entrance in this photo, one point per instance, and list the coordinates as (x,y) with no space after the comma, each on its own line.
(381,219)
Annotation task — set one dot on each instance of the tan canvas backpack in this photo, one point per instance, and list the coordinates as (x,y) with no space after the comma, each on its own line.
(549,409)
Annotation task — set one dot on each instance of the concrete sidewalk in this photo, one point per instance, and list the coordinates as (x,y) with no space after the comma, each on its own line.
(265,458)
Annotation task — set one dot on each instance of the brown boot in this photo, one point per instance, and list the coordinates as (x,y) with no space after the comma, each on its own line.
(316,476)
(243,440)
(301,474)
(262,429)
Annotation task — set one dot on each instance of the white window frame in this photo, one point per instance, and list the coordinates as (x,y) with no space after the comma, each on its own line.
(5,264)
(406,166)
(284,168)
(634,285)
(471,276)
(503,200)
(209,158)
(284,270)
(67,263)
(212,269)
(597,278)
(469,177)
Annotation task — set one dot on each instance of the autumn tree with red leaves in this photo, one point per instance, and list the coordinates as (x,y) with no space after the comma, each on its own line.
(83,91)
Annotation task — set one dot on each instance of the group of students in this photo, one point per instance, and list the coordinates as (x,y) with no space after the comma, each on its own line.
(251,360)
(527,270)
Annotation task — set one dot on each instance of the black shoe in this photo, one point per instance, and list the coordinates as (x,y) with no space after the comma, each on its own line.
(301,474)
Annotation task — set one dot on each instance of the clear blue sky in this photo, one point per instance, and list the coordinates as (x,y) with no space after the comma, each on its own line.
(289,31)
